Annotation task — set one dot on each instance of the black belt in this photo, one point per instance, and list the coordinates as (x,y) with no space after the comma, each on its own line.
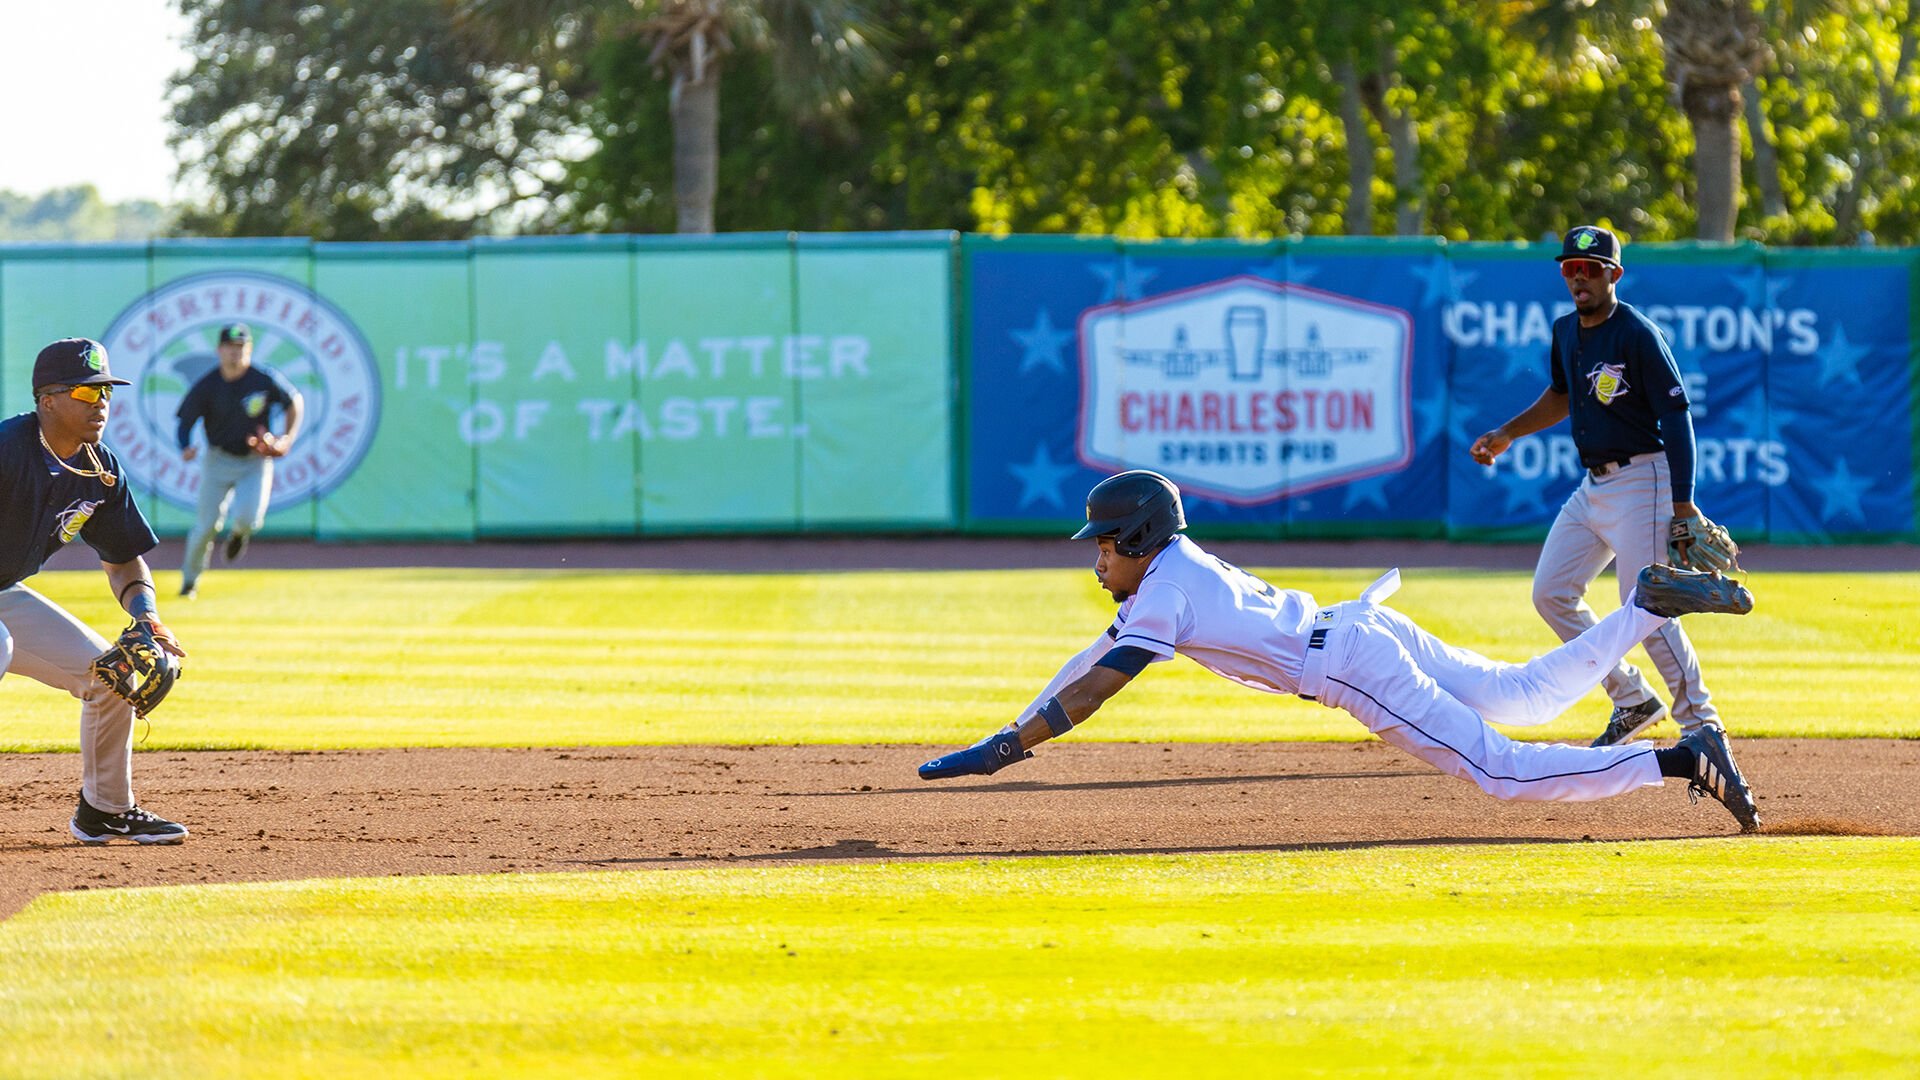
(1315,640)
(1608,467)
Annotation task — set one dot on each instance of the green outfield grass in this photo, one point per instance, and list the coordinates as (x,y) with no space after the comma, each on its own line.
(413,657)
(1783,957)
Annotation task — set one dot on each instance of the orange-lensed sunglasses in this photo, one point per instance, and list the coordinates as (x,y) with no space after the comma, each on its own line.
(92,393)
(1592,268)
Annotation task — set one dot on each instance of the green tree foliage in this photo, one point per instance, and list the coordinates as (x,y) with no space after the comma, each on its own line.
(76,215)
(352,120)
(1135,118)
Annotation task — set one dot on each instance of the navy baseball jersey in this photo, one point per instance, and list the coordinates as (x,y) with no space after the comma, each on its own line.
(233,410)
(43,507)
(1620,379)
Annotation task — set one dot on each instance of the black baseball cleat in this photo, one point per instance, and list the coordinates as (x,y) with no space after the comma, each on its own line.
(1630,720)
(984,758)
(1715,774)
(236,547)
(1670,592)
(90,826)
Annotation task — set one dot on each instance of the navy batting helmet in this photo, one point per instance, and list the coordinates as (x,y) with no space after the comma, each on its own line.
(1139,509)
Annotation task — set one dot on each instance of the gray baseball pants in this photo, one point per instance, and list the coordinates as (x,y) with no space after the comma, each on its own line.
(231,485)
(1620,518)
(40,640)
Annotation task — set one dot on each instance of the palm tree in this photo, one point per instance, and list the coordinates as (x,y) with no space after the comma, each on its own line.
(1712,48)
(819,50)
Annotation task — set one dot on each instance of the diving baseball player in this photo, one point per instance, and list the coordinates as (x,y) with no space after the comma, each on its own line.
(57,482)
(1414,691)
(236,401)
(1614,375)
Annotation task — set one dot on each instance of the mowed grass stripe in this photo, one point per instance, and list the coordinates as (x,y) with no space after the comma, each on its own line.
(1716,958)
(395,657)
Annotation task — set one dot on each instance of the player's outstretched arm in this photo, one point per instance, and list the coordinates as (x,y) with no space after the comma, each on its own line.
(1547,410)
(1056,715)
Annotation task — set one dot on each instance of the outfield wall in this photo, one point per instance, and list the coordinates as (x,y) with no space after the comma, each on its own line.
(593,386)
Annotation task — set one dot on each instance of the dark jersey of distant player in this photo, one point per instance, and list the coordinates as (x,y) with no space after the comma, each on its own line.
(1620,379)
(43,507)
(233,410)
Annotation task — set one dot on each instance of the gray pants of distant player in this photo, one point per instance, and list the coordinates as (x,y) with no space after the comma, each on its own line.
(232,487)
(41,641)
(1620,518)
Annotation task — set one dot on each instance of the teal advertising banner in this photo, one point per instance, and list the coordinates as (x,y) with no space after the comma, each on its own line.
(575,386)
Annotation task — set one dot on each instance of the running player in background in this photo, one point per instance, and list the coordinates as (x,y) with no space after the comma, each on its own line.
(236,401)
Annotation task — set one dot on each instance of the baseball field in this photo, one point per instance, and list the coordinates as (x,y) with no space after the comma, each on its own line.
(606,820)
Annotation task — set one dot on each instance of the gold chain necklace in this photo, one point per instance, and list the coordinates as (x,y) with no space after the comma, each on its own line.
(99,471)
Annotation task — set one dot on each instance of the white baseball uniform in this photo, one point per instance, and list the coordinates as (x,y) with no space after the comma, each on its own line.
(1410,688)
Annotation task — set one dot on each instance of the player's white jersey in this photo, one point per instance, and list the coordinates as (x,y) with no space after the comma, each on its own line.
(1228,621)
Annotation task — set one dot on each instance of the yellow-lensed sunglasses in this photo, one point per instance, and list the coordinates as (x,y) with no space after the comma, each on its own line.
(92,393)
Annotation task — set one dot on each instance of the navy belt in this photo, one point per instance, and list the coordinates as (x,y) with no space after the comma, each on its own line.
(1316,640)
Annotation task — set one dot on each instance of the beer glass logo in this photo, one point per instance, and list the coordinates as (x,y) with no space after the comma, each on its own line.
(1246,390)
(164,342)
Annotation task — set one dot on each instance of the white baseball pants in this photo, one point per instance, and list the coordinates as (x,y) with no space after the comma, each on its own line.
(1435,701)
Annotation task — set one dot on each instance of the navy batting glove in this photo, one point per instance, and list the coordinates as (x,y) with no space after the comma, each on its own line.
(984,758)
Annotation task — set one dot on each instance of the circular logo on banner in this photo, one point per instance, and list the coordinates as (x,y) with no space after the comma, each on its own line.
(166,341)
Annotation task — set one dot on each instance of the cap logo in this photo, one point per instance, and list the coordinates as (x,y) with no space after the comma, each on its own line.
(1584,239)
(95,358)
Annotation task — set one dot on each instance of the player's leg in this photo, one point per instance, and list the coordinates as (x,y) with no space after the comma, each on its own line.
(1524,694)
(1574,554)
(1640,507)
(1371,676)
(251,490)
(53,647)
(210,512)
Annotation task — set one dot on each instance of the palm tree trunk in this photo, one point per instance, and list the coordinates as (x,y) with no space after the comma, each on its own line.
(1403,142)
(1711,109)
(695,111)
(1359,153)
(1766,165)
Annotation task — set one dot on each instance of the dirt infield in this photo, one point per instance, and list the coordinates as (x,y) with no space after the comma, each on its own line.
(260,816)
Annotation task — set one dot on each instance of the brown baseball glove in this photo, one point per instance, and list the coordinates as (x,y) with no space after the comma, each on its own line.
(1697,543)
(142,665)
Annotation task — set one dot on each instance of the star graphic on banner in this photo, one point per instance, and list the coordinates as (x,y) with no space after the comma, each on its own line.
(1430,413)
(1525,363)
(1750,419)
(1041,345)
(1459,428)
(1841,491)
(1760,291)
(1840,358)
(1367,493)
(1524,495)
(1443,282)
(1122,279)
(1283,270)
(1040,478)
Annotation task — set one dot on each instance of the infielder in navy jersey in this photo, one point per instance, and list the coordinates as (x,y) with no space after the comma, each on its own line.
(236,402)
(58,482)
(1612,372)
(1413,690)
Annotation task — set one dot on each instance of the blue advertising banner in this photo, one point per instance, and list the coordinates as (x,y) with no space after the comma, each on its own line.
(1331,388)
(1283,386)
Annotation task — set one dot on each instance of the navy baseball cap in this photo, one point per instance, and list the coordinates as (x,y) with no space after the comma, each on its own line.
(74,361)
(1590,242)
(236,332)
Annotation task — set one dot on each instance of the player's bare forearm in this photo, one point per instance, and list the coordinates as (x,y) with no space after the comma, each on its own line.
(296,411)
(1547,410)
(1080,699)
